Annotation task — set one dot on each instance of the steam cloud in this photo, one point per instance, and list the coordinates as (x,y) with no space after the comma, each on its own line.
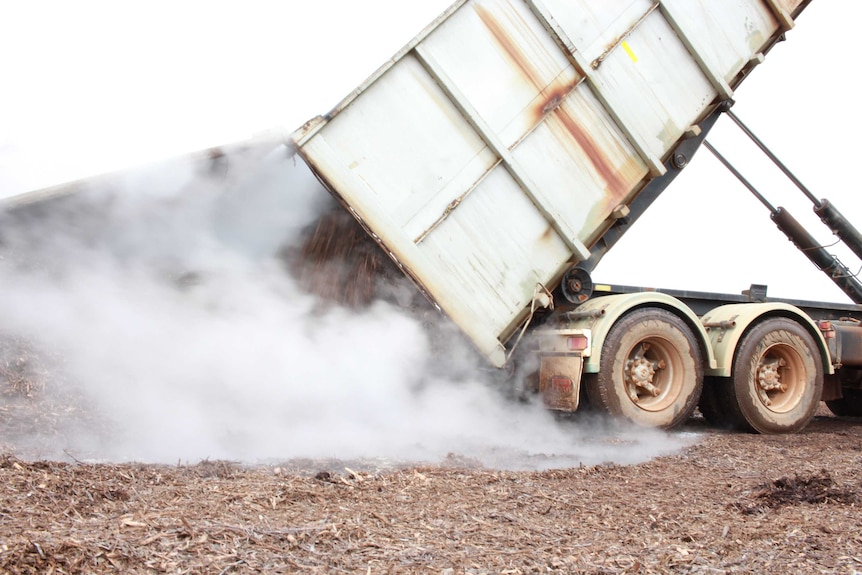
(183,337)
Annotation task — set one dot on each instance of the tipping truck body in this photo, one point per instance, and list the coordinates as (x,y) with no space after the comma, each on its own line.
(504,150)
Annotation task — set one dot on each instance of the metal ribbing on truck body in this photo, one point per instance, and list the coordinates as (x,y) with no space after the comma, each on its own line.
(493,151)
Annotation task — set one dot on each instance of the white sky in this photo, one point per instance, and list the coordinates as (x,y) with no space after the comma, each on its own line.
(90,86)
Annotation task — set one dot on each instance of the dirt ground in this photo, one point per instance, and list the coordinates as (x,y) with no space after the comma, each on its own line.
(729,503)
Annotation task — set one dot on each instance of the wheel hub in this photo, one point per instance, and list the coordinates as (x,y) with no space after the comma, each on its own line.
(769,378)
(640,374)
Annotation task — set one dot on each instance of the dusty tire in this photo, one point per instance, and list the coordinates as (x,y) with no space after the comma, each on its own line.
(777,379)
(651,370)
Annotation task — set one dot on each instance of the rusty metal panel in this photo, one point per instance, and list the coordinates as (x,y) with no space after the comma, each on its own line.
(555,127)
(514,67)
(492,152)
(583,162)
(649,77)
(492,252)
(559,381)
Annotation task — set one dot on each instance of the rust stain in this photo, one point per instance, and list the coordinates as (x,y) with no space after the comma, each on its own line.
(518,57)
(552,101)
(599,161)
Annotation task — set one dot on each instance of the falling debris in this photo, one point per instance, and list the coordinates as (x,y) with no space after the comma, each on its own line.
(340,263)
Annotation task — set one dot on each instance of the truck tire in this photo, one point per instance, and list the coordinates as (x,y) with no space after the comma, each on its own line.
(777,379)
(651,371)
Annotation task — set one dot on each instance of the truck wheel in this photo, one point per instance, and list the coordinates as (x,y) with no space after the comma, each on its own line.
(777,379)
(848,406)
(651,370)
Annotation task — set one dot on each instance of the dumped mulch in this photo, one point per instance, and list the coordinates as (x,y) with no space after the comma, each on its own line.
(339,262)
(811,489)
(676,514)
(38,409)
(23,372)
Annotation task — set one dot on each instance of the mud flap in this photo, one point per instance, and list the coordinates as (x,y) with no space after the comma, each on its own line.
(560,381)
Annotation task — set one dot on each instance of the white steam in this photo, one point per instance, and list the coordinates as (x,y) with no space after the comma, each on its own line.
(180,329)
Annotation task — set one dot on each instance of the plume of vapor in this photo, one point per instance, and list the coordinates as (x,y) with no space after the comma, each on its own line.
(165,294)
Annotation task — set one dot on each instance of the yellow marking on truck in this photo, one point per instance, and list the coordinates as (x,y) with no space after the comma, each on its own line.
(630,52)
(601,287)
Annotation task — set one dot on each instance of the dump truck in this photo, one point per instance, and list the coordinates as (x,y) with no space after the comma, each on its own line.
(507,148)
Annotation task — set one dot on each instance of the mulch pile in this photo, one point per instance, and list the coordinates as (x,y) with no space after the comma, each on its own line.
(730,503)
(689,513)
(815,489)
(37,408)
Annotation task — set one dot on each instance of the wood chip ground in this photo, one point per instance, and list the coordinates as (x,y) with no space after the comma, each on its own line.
(729,503)
(725,505)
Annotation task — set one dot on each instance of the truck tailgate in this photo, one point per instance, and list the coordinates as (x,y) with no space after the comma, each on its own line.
(490,153)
